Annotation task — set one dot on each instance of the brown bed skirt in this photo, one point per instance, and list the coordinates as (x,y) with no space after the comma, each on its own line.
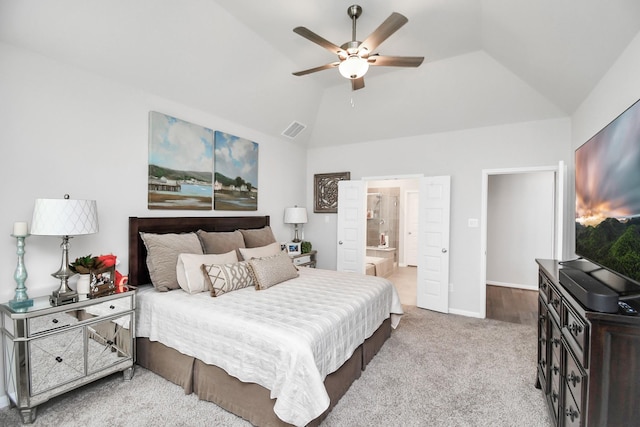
(248,400)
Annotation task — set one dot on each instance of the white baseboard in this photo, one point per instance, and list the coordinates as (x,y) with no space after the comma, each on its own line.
(465,313)
(511,285)
(4,401)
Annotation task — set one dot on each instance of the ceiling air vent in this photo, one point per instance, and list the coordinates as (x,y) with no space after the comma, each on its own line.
(293,130)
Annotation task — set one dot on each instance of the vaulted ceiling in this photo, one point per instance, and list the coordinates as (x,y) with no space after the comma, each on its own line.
(487,62)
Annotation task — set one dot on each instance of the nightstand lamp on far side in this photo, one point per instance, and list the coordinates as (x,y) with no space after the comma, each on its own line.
(64,218)
(295,216)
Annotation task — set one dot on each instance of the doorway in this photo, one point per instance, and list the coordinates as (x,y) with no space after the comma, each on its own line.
(522,221)
(394,202)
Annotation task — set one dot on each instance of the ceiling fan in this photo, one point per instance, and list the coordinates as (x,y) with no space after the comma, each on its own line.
(354,57)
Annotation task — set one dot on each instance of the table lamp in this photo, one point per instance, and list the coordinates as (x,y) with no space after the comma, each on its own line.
(64,218)
(295,216)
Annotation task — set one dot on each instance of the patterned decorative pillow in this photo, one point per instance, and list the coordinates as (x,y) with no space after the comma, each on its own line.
(255,238)
(272,270)
(223,278)
(162,256)
(261,252)
(189,270)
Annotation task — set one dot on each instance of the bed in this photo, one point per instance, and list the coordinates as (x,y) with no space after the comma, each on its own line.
(301,383)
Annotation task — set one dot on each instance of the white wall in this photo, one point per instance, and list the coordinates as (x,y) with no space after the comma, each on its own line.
(462,155)
(63,130)
(520,227)
(615,92)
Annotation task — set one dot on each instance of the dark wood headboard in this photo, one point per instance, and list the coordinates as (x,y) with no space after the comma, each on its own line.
(138,273)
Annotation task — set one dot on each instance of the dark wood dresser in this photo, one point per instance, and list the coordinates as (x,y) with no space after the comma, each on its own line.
(588,362)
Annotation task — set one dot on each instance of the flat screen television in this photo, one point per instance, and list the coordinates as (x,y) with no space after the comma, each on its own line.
(607,181)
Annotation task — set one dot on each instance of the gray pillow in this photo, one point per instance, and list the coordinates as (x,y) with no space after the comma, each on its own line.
(162,256)
(272,270)
(258,237)
(220,242)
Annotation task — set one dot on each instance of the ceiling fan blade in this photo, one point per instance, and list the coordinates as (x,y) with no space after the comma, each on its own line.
(357,83)
(310,35)
(313,70)
(380,34)
(395,61)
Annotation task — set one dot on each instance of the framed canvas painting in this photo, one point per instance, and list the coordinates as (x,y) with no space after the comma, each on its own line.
(235,186)
(180,164)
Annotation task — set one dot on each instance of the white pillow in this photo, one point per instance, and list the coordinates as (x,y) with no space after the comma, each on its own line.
(188,270)
(260,252)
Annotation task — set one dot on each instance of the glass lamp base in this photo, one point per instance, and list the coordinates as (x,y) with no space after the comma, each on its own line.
(14,304)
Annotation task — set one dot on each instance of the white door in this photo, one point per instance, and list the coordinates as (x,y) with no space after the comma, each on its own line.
(352,239)
(433,246)
(411,228)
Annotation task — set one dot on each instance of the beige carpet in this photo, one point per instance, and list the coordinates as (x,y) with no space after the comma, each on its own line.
(435,370)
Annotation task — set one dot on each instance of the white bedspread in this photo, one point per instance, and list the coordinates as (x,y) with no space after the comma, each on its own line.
(287,338)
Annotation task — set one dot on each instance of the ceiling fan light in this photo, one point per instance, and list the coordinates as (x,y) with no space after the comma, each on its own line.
(353,67)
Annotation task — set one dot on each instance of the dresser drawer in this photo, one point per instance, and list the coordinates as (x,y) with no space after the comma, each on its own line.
(555,341)
(555,302)
(50,322)
(543,286)
(574,377)
(578,330)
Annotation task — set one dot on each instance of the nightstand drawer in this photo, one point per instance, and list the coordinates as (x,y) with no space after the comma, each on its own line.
(114,306)
(49,322)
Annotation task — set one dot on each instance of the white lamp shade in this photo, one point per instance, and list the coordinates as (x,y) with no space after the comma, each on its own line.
(295,215)
(353,67)
(64,217)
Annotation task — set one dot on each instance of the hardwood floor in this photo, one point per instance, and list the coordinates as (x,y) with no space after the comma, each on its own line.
(512,305)
(506,304)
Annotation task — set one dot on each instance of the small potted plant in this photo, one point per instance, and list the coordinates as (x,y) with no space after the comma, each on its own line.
(85,264)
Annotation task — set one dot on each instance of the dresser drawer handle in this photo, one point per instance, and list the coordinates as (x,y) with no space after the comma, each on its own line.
(572,413)
(543,363)
(575,328)
(54,321)
(556,342)
(543,341)
(112,307)
(554,396)
(573,378)
(58,359)
(555,369)
(555,302)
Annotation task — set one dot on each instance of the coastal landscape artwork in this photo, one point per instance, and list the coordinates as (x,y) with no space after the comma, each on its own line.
(235,186)
(180,164)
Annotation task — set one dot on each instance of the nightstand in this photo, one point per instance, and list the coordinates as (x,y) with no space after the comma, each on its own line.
(305,260)
(49,350)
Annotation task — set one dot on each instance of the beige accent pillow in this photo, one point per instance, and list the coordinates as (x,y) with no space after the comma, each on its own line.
(255,238)
(272,270)
(162,256)
(189,269)
(261,252)
(223,278)
(220,242)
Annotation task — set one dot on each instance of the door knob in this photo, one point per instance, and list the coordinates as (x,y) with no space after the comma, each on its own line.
(444,251)
(340,242)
